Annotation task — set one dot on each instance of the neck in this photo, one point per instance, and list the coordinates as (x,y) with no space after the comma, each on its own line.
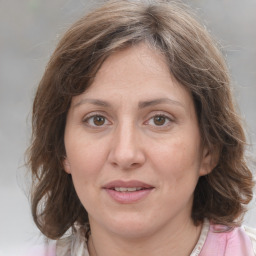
(179,241)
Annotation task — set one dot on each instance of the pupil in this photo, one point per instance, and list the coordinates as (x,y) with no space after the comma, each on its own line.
(159,120)
(98,120)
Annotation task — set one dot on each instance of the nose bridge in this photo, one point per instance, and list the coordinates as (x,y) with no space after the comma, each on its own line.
(126,137)
(126,151)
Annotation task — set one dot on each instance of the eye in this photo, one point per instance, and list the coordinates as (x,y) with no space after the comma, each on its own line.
(159,120)
(96,121)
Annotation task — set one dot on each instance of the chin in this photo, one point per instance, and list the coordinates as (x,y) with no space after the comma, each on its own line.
(131,228)
(132,232)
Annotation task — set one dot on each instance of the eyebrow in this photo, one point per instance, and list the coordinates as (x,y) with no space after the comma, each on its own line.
(145,104)
(141,104)
(96,102)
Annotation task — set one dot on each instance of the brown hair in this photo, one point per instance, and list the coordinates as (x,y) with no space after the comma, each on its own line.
(194,61)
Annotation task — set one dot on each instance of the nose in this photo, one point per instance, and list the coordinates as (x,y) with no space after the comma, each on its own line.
(126,151)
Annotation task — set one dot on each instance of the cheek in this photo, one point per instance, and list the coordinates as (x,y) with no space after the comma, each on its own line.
(178,158)
(85,158)
(85,166)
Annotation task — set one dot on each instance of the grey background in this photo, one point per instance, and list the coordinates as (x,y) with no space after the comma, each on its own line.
(29,31)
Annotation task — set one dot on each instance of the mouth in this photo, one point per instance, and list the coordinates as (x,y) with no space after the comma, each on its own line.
(126,192)
(122,189)
(127,186)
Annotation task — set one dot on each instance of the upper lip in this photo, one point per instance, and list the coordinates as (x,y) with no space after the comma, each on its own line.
(127,184)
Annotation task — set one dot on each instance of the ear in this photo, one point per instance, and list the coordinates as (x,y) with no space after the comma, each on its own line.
(209,161)
(66,165)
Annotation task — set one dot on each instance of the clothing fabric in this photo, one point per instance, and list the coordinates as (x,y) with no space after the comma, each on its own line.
(219,240)
(214,240)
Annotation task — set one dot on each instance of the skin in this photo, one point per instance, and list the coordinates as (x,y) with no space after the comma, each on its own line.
(157,143)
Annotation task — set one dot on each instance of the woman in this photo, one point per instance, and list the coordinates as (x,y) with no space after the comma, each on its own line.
(137,148)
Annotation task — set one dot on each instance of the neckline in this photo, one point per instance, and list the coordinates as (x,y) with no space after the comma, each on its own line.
(202,238)
(200,243)
(76,244)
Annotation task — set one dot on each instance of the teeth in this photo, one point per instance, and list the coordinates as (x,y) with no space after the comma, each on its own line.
(121,189)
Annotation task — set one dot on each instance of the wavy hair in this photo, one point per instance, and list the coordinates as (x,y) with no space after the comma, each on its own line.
(193,59)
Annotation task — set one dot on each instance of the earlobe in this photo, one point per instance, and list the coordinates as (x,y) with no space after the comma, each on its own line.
(210,160)
(66,165)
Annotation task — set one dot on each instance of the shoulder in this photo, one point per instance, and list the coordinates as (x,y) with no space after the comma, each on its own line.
(75,244)
(41,251)
(251,232)
(221,240)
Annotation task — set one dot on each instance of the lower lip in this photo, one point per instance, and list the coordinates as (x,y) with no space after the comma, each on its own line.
(128,197)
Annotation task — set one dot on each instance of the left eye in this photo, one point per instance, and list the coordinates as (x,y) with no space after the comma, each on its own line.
(96,120)
(159,120)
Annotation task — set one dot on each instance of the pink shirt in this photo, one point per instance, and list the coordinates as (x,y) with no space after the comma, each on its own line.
(215,240)
(232,243)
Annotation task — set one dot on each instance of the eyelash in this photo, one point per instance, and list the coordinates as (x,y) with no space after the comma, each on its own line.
(91,117)
(167,120)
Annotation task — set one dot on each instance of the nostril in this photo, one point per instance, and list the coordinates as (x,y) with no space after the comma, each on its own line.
(126,166)
(135,164)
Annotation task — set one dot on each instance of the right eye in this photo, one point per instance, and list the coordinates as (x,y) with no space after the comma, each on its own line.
(96,121)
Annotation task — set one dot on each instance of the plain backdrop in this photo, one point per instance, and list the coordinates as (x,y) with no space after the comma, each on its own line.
(29,31)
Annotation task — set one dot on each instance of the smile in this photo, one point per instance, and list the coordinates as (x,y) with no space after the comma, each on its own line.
(127,192)
(122,189)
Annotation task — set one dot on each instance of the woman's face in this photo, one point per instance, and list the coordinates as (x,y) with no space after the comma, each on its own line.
(133,146)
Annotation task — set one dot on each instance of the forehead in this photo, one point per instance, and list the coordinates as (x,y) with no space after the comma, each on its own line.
(138,73)
(136,61)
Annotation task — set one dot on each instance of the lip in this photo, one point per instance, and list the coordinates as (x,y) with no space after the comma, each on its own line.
(127,184)
(128,197)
